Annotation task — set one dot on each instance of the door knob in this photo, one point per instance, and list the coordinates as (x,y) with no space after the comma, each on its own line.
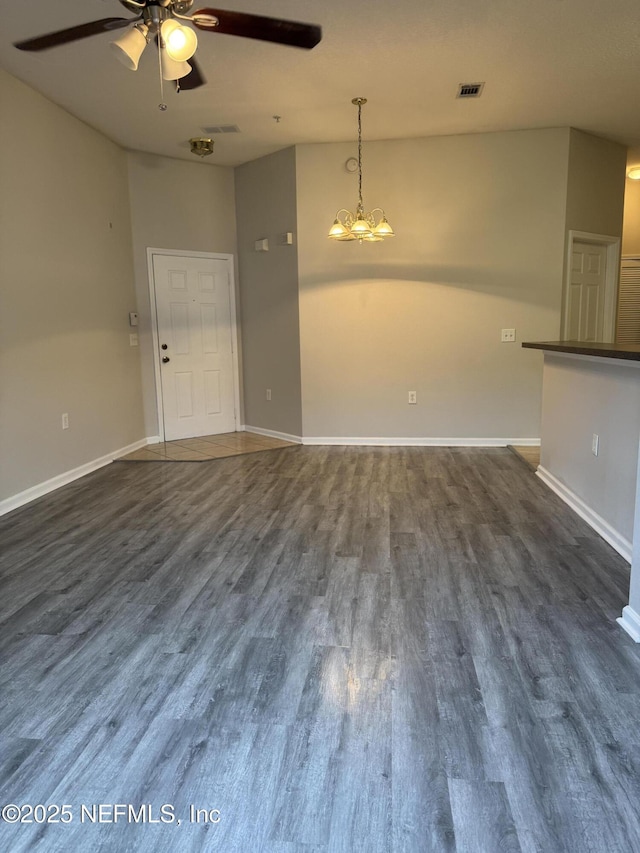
(165,359)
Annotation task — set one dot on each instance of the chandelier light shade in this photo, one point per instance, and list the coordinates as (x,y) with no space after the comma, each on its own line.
(360,226)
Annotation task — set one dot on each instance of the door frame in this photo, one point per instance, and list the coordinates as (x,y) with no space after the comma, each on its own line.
(183,253)
(612,277)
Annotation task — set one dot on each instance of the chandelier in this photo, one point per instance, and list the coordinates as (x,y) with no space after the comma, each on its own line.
(361,226)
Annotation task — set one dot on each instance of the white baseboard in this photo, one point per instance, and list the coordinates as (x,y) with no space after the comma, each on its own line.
(630,621)
(285,436)
(41,489)
(608,533)
(420,441)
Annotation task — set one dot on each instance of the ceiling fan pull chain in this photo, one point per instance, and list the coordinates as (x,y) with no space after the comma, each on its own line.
(161,106)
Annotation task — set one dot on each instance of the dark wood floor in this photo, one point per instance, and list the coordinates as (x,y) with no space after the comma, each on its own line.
(341,649)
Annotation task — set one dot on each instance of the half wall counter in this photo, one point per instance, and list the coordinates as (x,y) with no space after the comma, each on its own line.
(590,436)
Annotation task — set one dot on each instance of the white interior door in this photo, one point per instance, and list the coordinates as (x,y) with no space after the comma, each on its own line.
(586,293)
(195,345)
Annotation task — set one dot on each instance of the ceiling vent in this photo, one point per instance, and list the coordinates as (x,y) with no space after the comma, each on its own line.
(222,128)
(470,90)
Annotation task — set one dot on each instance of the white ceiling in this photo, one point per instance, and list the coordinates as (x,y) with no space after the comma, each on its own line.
(547,63)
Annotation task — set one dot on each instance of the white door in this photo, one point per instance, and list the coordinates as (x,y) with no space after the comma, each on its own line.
(584,309)
(193,313)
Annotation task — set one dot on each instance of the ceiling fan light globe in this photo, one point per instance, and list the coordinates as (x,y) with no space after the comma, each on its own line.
(180,42)
(171,69)
(129,47)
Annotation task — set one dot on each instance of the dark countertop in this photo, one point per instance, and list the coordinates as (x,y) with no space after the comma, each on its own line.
(630,352)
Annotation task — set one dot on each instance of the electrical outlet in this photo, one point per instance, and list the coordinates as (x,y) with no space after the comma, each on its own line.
(412,398)
(595,444)
(65,421)
(268,393)
(133,339)
(508,336)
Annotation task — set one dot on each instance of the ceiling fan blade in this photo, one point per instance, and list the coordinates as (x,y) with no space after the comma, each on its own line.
(93,28)
(194,79)
(292,33)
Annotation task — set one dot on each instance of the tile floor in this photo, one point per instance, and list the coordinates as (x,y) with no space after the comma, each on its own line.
(205,447)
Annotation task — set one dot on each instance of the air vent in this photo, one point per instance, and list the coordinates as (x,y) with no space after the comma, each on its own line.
(470,90)
(222,128)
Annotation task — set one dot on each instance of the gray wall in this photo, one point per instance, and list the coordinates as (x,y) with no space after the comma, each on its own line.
(631,222)
(583,397)
(480,225)
(174,205)
(66,287)
(266,208)
(595,185)
(339,332)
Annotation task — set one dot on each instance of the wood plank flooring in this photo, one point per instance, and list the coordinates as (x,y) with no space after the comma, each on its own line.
(340,649)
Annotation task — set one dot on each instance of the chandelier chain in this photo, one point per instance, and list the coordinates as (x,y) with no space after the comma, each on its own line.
(360,154)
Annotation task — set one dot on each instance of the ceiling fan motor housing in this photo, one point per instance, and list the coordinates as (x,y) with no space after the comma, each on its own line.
(181,7)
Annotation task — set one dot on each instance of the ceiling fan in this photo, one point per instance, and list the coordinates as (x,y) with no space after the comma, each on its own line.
(161,20)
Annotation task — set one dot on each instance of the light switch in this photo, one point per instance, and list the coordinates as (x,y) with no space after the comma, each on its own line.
(133,318)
